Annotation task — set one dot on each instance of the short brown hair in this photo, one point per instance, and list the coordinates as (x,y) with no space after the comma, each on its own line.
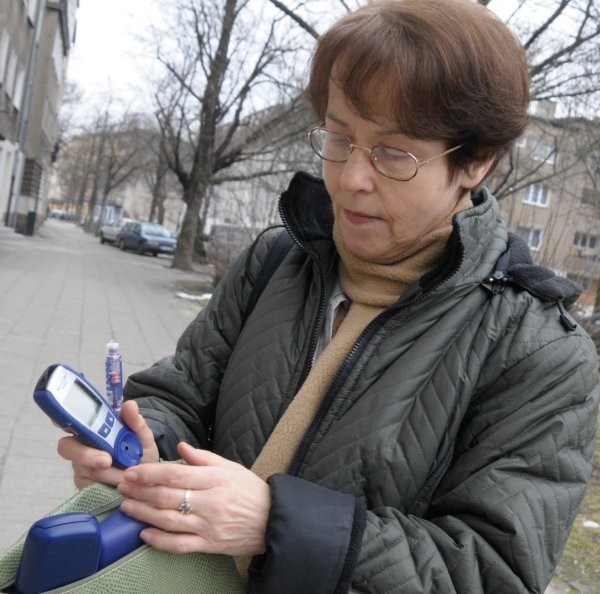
(442,69)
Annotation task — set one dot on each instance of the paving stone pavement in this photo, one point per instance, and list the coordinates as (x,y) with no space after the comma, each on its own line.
(63,295)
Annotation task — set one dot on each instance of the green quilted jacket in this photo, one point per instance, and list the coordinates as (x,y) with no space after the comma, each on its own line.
(453,448)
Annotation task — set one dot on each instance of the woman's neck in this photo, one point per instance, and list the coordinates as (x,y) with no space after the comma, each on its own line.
(382,284)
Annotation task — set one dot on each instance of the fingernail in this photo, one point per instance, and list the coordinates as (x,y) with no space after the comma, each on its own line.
(131,475)
(100,462)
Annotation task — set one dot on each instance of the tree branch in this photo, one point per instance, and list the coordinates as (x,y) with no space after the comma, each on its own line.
(299,20)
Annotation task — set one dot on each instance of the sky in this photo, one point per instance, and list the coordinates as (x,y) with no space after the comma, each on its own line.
(108,57)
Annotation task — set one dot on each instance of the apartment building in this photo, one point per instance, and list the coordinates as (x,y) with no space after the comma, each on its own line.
(35,39)
(551,197)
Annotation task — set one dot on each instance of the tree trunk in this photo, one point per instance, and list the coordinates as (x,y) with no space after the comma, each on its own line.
(184,254)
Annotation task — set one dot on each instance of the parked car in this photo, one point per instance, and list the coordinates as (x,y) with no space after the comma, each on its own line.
(108,233)
(146,237)
(57,213)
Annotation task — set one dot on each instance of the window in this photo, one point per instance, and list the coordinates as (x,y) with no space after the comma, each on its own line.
(586,241)
(521,141)
(57,55)
(19,84)
(537,194)
(591,160)
(543,151)
(533,237)
(11,73)
(32,9)
(4,43)
(589,196)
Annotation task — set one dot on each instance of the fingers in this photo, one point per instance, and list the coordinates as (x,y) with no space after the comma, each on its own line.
(130,414)
(177,475)
(93,465)
(175,543)
(169,475)
(169,519)
(72,449)
(229,505)
(172,530)
(155,495)
(196,457)
(89,464)
(82,477)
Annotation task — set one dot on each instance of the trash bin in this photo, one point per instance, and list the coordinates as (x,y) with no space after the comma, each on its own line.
(30,225)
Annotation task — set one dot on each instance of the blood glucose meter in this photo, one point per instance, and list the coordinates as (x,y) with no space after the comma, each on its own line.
(76,406)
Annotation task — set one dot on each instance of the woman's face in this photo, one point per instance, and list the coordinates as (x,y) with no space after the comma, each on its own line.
(378,217)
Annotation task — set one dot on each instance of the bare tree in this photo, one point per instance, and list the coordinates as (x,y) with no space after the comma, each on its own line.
(105,155)
(157,181)
(122,161)
(562,45)
(562,41)
(74,169)
(224,66)
(561,38)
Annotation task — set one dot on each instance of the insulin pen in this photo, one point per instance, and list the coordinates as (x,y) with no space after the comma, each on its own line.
(114,375)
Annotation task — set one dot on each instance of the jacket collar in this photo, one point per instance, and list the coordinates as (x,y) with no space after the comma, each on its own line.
(477,243)
(305,208)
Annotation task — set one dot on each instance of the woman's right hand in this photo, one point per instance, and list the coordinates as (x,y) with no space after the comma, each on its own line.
(92,465)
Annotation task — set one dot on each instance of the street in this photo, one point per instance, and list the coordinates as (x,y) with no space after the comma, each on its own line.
(63,295)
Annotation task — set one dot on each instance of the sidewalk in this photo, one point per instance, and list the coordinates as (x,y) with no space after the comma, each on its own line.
(62,297)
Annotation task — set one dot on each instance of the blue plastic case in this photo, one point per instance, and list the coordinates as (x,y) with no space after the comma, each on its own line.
(64,548)
(59,550)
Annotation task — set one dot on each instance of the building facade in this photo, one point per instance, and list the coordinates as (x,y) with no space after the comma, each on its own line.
(552,197)
(35,39)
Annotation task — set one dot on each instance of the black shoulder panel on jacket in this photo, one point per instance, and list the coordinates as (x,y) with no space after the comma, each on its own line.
(516,266)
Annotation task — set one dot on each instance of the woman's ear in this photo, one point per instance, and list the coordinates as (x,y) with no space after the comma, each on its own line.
(475,173)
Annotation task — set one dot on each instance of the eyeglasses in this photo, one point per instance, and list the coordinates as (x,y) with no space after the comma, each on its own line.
(393,163)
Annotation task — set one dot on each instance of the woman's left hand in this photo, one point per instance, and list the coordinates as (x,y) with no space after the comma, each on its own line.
(229,504)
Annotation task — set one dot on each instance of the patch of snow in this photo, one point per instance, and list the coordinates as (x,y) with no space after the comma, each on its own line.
(203,297)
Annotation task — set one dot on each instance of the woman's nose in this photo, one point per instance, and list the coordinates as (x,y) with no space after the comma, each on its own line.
(358,172)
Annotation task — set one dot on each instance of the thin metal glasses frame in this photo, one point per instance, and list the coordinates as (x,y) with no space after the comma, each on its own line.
(372,154)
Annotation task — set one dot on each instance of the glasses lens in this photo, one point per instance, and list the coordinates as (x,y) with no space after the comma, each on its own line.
(394,163)
(329,145)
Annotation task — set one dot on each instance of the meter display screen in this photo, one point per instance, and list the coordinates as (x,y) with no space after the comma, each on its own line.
(81,404)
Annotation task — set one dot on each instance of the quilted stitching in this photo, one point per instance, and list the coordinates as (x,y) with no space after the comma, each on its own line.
(495,377)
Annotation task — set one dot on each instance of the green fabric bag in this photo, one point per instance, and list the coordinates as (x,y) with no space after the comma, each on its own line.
(143,571)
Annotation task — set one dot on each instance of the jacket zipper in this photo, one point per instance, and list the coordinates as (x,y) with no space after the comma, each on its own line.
(322,303)
(348,363)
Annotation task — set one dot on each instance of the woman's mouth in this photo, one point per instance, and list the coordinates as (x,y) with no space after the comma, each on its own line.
(358,218)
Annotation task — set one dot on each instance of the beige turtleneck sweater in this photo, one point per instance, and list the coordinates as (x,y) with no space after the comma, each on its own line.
(372,287)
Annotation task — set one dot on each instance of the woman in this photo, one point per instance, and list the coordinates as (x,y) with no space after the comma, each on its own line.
(395,414)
